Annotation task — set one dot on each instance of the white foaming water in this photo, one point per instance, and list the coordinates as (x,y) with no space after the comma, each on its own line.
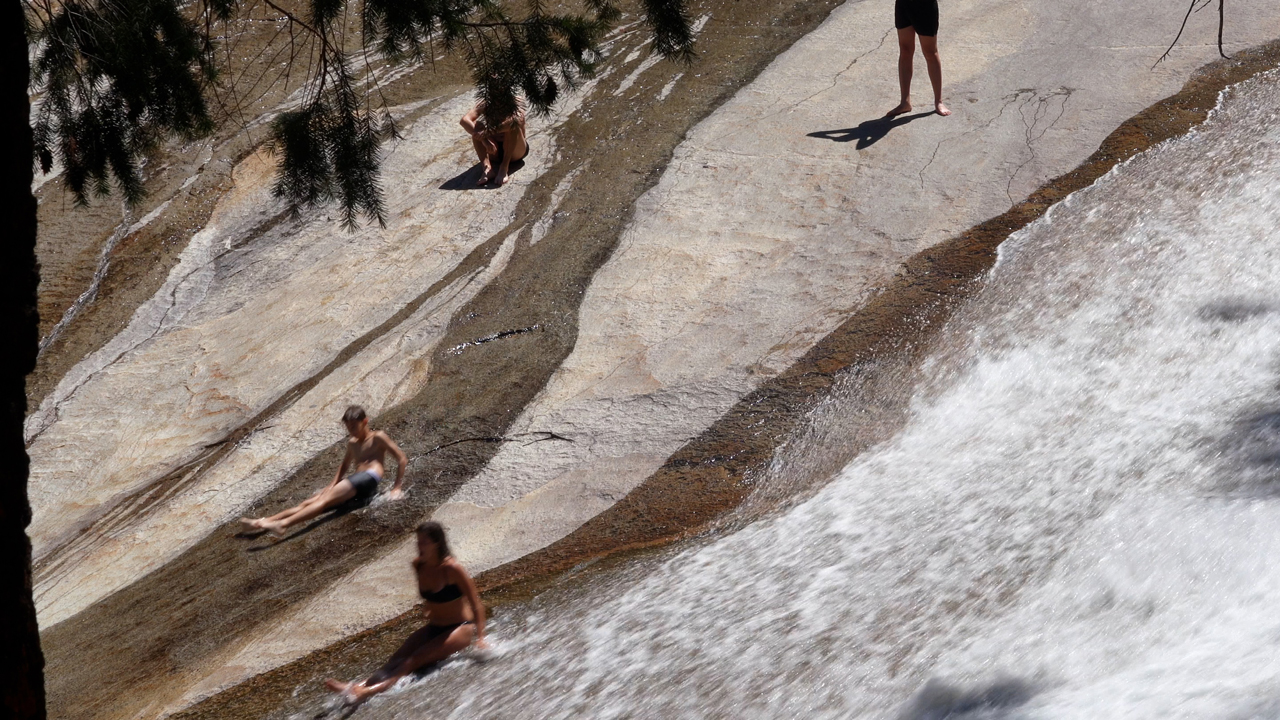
(1077,520)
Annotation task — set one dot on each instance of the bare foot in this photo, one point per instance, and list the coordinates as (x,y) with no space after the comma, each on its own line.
(276,529)
(485,176)
(349,691)
(941,109)
(501,178)
(251,523)
(905,107)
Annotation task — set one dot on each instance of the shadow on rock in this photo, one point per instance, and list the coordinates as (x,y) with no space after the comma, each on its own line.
(869,132)
(467,179)
(1250,455)
(1262,710)
(938,700)
(1233,310)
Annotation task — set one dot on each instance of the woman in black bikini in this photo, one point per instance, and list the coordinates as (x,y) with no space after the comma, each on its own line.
(455,617)
(912,18)
(497,147)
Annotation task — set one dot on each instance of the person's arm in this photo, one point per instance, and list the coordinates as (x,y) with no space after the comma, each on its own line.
(471,123)
(402,460)
(473,596)
(417,584)
(468,121)
(342,469)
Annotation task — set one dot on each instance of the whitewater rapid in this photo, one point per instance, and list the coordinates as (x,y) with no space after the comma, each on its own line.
(1079,519)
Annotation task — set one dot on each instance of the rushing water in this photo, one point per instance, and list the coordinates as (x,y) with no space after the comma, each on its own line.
(1080,517)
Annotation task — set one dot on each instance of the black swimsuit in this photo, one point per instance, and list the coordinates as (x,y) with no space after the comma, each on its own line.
(501,151)
(435,631)
(365,484)
(448,593)
(922,15)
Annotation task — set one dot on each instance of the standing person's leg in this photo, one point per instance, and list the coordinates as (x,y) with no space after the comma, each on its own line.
(929,47)
(906,57)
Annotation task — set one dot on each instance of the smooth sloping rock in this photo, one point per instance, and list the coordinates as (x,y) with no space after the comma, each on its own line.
(257,306)
(757,241)
(761,237)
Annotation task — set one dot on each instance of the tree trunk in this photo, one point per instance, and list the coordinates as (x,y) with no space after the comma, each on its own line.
(22,690)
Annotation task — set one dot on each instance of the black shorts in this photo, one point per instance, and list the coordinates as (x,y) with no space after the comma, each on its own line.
(365,484)
(922,15)
(502,150)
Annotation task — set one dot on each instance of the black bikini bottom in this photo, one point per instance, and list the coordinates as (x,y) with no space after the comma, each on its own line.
(501,153)
(435,631)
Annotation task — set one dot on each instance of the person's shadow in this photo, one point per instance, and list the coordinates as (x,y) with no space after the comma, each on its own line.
(869,132)
(467,179)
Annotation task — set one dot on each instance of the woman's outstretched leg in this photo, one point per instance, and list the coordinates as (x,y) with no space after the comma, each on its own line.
(420,638)
(415,653)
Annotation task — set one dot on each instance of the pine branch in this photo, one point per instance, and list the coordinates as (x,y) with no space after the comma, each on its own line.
(538,436)
(1222,21)
(118,76)
(1190,9)
(296,20)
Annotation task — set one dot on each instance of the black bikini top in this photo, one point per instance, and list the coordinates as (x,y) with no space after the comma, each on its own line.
(448,593)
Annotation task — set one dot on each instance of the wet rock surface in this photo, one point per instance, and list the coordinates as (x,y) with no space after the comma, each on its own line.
(668,309)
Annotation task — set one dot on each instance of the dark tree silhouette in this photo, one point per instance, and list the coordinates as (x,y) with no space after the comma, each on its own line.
(114,78)
(22,691)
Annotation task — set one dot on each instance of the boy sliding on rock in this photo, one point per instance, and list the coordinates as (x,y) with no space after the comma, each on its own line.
(366,452)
